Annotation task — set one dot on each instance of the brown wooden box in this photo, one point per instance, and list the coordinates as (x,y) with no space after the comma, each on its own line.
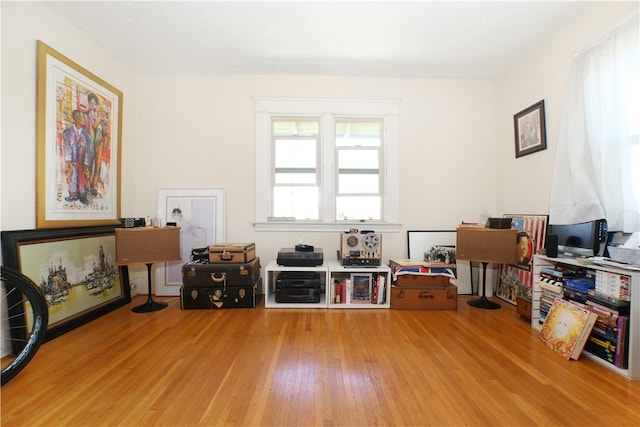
(523,307)
(486,245)
(232,252)
(146,244)
(424,298)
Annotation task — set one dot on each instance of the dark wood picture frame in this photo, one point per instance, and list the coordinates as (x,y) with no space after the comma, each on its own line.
(530,130)
(83,259)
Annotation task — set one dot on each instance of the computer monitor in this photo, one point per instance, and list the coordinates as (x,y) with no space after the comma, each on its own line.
(584,239)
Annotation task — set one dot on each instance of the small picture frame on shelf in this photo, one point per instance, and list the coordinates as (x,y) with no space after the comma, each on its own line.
(361,284)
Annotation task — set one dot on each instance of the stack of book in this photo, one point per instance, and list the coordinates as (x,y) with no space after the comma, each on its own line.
(550,289)
(610,335)
(577,288)
(613,284)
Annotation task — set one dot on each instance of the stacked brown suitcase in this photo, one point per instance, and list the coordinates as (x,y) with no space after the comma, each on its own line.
(229,280)
(422,292)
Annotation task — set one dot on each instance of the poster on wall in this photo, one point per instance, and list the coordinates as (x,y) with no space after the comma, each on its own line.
(200,215)
(516,280)
(78,138)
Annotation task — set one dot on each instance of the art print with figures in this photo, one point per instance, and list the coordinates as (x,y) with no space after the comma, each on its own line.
(78,134)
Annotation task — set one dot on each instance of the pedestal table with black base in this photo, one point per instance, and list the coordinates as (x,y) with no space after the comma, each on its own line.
(146,245)
(483,301)
(150,305)
(485,245)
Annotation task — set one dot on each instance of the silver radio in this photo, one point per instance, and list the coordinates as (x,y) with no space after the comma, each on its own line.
(361,248)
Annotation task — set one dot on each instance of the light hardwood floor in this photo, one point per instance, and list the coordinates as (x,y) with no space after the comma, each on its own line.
(313,367)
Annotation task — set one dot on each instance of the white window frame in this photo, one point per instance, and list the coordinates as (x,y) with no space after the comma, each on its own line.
(326,109)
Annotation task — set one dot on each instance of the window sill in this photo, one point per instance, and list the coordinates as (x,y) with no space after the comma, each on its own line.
(326,226)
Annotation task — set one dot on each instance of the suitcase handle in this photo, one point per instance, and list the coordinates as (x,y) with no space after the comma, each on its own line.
(226,256)
(220,279)
(425,294)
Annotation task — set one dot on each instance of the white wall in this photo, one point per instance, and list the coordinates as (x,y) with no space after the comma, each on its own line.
(200,132)
(23,23)
(456,136)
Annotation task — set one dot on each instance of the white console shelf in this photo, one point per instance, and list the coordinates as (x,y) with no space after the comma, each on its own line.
(633,370)
(330,273)
(273,269)
(378,275)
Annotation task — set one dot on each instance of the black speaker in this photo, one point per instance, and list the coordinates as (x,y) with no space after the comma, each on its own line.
(551,245)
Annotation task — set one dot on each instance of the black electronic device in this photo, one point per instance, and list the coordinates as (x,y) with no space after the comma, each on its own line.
(583,239)
(289,257)
(298,295)
(132,222)
(304,248)
(298,279)
(551,245)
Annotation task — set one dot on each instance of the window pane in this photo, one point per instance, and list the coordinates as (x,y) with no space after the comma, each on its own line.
(298,202)
(350,183)
(358,133)
(358,159)
(296,128)
(299,153)
(357,208)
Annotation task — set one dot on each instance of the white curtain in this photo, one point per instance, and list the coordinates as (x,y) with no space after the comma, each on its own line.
(597,170)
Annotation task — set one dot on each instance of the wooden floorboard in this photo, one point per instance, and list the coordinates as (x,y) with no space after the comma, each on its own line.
(313,367)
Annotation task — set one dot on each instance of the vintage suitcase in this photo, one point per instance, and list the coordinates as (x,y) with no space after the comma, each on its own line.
(198,275)
(421,280)
(424,298)
(218,297)
(232,252)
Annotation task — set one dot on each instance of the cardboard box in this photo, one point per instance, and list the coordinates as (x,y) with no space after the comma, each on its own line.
(486,245)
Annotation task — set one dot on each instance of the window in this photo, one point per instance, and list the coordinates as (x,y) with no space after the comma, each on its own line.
(326,164)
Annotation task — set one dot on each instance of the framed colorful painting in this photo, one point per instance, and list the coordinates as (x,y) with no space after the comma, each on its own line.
(516,280)
(79,121)
(75,270)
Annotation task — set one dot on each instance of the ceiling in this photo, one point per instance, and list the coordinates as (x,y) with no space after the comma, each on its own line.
(414,39)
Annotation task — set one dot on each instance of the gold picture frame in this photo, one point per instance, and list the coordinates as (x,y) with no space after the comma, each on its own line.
(79,134)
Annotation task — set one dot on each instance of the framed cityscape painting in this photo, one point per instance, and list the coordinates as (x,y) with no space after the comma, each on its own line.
(75,270)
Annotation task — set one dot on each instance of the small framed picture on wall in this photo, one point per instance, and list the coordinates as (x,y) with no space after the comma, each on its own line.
(530,130)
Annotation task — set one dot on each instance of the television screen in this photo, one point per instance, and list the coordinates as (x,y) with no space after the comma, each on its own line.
(582,239)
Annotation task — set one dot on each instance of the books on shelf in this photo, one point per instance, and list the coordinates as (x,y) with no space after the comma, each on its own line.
(567,328)
(359,289)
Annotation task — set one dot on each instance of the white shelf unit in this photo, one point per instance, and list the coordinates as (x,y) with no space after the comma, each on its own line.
(340,273)
(271,274)
(633,370)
